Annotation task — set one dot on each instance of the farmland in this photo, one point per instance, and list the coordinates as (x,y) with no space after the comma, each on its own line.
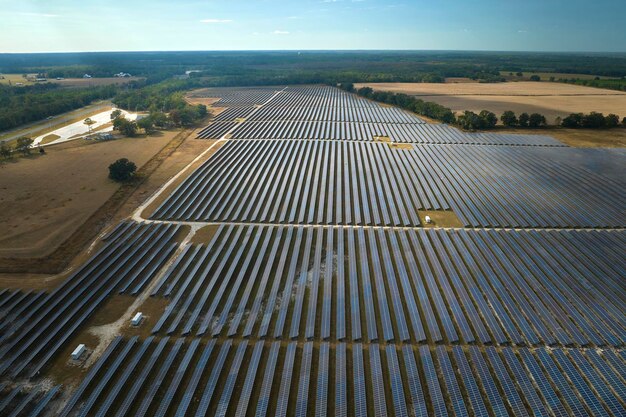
(550,99)
(286,271)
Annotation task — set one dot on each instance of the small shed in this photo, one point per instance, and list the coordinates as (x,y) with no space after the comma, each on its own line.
(136,321)
(78,352)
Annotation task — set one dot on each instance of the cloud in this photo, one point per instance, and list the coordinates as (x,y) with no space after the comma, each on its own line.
(216,21)
(39,14)
(280,32)
(522,31)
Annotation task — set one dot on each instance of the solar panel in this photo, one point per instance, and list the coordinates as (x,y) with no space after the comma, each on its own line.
(305,377)
(471,387)
(268,380)
(229,385)
(550,397)
(104,379)
(285,382)
(521,377)
(432,382)
(413,382)
(341,382)
(43,403)
(199,368)
(452,387)
(600,387)
(358,378)
(397,390)
(506,384)
(489,386)
(578,382)
(119,383)
(211,384)
(177,378)
(321,401)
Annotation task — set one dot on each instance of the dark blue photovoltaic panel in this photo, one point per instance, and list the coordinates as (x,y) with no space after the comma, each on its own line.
(452,387)
(397,391)
(471,387)
(432,381)
(358,379)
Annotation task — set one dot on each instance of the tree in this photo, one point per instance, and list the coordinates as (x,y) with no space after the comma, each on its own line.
(5,151)
(470,121)
(115,114)
(146,124)
(509,119)
(536,120)
(612,120)
(535,77)
(593,120)
(624,122)
(523,120)
(125,127)
(89,123)
(365,91)
(572,121)
(489,119)
(23,144)
(159,119)
(122,170)
(519,74)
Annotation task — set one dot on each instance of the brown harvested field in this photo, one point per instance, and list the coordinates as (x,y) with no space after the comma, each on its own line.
(550,99)
(44,199)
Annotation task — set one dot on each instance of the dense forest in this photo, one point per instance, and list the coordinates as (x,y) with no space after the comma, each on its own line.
(166,73)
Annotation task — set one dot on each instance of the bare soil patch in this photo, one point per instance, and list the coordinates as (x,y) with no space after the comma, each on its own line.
(550,99)
(46,198)
(440,218)
(205,234)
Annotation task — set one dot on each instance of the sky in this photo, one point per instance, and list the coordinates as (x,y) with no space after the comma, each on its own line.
(164,25)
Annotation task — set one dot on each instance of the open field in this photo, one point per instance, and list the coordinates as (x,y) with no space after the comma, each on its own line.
(293,277)
(46,198)
(550,99)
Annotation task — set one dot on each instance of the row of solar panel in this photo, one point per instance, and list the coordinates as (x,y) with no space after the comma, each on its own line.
(279,380)
(27,400)
(483,286)
(337,114)
(130,258)
(301,182)
(369,131)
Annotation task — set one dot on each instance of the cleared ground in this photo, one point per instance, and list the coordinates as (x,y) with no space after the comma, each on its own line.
(550,99)
(44,199)
(13,79)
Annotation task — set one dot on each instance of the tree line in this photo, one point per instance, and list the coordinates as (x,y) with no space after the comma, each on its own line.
(404,101)
(21,105)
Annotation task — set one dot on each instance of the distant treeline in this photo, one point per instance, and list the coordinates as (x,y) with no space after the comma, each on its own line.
(21,105)
(611,84)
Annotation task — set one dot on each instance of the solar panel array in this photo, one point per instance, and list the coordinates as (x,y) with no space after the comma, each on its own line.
(436,379)
(314,182)
(475,286)
(328,113)
(28,400)
(319,294)
(124,264)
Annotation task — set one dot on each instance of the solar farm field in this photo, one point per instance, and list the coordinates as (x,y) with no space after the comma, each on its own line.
(291,274)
